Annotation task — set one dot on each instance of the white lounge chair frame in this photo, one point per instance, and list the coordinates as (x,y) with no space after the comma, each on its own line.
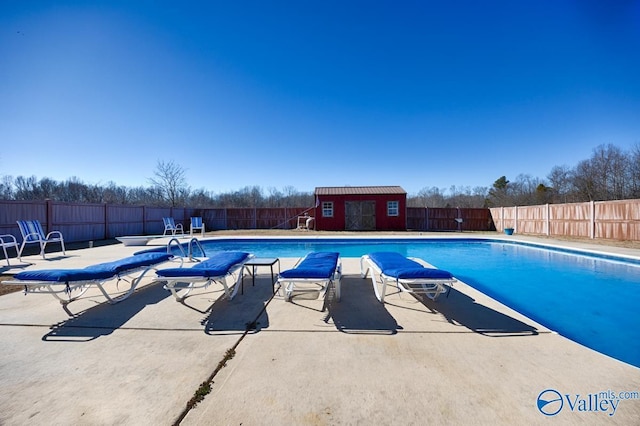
(430,287)
(194,282)
(66,292)
(32,233)
(8,241)
(171,226)
(309,285)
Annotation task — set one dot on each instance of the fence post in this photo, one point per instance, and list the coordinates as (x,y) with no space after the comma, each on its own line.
(515,219)
(592,213)
(548,220)
(106,221)
(49,209)
(426,218)
(144,220)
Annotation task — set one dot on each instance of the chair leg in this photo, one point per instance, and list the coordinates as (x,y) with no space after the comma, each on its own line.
(6,256)
(21,249)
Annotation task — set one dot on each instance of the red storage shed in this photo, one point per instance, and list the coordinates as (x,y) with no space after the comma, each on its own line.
(361,208)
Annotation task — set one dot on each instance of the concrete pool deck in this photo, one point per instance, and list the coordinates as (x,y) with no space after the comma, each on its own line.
(465,359)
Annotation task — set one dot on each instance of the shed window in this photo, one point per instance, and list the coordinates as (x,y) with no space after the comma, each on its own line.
(392,208)
(327,209)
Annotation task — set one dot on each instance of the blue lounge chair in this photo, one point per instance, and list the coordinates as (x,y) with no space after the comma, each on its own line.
(317,271)
(404,273)
(171,227)
(67,285)
(196,225)
(214,269)
(32,233)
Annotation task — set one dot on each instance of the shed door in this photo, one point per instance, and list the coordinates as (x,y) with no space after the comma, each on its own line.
(360,215)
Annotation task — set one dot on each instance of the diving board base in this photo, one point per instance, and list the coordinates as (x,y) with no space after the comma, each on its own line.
(140,240)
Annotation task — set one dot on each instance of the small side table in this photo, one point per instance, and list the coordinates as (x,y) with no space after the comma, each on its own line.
(260,261)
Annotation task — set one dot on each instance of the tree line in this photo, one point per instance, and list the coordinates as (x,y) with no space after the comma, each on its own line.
(609,174)
(167,188)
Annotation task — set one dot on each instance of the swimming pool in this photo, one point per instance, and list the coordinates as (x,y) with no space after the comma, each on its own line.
(591,299)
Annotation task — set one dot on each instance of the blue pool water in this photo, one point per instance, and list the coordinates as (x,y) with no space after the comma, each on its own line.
(593,300)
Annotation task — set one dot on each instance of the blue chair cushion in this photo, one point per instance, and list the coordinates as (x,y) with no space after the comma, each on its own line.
(319,265)
(131,262)
(63,275)
(99,271)
(217,265)
(397,266)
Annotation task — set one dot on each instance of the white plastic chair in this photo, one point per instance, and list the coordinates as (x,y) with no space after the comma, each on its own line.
(7,241)
(170,226)
(32,233)
(196,224)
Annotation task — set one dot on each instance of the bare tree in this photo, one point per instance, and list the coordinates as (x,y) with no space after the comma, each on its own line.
(6,188)
(275,197)
(605,176)
(526,190)
(634,171)
(200,198)
(561,181)
(114,194)
(609,166)
(170,182)
(428,197)
(458,197)
(585,181)
(27,188)
(463,197)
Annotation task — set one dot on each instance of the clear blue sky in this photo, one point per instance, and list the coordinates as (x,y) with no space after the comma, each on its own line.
(315,93)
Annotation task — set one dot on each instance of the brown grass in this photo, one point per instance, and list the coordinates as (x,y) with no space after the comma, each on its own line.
(6,289)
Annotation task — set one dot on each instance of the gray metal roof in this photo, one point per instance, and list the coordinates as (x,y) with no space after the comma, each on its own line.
(358,190)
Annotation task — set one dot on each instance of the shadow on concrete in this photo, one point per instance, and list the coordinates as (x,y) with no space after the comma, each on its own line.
(16,266)
(460,309)
(359,312)
(104,318)
(245,312)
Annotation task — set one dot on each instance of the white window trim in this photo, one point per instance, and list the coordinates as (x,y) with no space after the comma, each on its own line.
(327,206)
(396,208)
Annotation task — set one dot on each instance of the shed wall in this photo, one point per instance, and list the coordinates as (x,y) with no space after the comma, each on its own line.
(383,221)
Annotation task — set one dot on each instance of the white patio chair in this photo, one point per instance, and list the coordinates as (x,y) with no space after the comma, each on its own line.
(32,233)
(196,224)
(171,227)
(8,241)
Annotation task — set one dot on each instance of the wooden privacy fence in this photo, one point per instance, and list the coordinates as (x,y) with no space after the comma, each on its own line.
(88,222)
(91,222)
(614,220)
(448,219)
(618,220)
